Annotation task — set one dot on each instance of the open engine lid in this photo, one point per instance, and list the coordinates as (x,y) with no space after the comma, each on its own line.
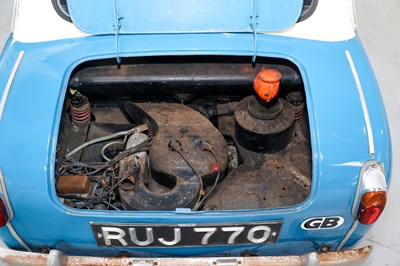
(183,16)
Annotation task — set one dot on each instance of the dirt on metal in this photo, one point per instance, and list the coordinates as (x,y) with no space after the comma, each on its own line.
(348,257)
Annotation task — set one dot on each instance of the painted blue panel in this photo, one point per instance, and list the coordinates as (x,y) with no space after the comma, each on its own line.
(182,16)
(29,129)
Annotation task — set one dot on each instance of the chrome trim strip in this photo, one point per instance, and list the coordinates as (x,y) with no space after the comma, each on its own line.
(3,190)
(57,258)
(365,183)
(17,237)
(367,119)
(375,185)
(347,236)
(9,83)
(15,15)
(354,15)
(11,213)
(2,183)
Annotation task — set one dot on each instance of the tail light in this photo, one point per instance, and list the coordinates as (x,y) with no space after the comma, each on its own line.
(6,213)
(3,214)
(371,206)
(371,193)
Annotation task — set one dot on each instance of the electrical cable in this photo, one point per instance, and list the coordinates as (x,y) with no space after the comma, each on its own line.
(136,168)
(110,144)
(110,205)
(214,185)
(137,129)
(176,146)
(144,146)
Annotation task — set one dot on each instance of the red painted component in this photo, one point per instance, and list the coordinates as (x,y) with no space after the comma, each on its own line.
(371,207)
(80,114)
(3,214)
(215,167)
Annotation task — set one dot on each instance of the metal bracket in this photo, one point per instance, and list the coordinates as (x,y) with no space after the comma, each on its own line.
(117,27)
(253,25)
(56,258)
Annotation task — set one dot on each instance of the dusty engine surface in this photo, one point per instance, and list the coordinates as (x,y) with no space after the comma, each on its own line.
(187,153)
(219,151)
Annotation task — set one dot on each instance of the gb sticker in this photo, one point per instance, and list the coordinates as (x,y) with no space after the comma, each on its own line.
(322,223)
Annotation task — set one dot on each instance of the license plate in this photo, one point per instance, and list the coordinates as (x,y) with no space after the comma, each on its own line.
(180,235)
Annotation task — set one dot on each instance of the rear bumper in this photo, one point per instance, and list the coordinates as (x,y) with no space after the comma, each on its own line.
(57,258)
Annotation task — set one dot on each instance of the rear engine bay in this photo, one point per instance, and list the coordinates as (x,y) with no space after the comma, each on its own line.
(196,132)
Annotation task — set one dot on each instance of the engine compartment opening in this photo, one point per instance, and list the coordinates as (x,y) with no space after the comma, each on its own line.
(198,132)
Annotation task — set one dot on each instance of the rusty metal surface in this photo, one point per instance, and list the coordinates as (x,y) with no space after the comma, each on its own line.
(177,169)
(108,114)
(158,75)
(141,197)
(71,136)
(108,120)
(188,127)
(348,257)
(73,184)
(92,153)
(13,257)
(126,166)
(267,180)
(344,258)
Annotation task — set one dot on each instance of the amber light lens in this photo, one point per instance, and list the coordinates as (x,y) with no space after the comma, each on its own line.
(371,206)
(3,214)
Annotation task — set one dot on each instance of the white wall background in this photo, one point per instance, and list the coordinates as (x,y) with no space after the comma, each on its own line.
(379,28)
(6,7)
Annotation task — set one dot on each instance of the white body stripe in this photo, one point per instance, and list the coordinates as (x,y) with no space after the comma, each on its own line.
(332,21)
(9,83)
(367,119)
(14,233)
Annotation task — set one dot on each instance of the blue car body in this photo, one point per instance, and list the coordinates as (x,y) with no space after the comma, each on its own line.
(347,123)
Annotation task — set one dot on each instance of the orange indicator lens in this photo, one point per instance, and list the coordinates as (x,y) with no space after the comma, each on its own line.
(371,206)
